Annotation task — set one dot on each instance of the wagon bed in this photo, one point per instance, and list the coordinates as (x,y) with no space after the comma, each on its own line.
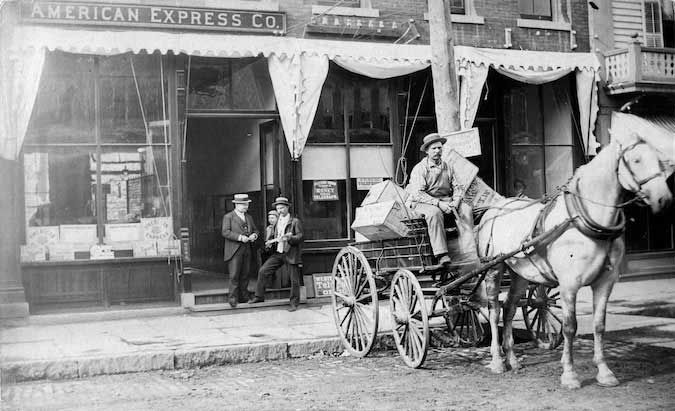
(404,271)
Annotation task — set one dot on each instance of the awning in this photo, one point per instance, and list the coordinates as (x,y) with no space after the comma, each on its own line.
(210,45)
(534,67)
(379,60)
(297,66)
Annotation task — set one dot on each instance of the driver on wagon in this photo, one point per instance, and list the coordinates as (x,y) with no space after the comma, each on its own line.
(434,192)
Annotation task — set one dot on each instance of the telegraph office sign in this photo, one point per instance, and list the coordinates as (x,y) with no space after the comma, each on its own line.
(148,16)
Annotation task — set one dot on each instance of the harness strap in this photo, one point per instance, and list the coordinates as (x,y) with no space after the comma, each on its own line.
(586,225)
(540,249)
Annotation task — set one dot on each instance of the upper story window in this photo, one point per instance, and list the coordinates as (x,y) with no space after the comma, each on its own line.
(341,3)
(535,9)
(545,14)
(653,24)
(457,7)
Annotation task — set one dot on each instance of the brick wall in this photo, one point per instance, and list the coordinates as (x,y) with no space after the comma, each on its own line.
(498,15)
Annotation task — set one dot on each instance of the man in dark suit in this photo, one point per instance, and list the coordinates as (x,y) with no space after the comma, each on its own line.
(285,243)
(240,233)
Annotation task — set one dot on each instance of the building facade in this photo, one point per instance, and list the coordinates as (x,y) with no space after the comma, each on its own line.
(636,42)
(146,119)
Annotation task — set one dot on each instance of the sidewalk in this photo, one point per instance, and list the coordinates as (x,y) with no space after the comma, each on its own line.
(78,345)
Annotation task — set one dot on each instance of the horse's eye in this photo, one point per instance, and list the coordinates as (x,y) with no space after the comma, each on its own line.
(636,161)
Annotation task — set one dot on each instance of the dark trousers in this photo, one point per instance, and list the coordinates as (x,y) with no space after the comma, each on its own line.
(239,267)
(273,263)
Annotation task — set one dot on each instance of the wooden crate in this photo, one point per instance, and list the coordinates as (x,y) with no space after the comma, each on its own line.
(381,221)
(404,252)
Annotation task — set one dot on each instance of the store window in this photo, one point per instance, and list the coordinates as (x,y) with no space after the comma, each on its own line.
(348,149)
(111,191)
(543,147)
(230,84)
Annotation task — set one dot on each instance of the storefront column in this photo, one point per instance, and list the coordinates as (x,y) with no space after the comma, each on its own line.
(12,297)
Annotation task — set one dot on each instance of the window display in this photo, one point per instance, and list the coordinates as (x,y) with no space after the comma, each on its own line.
(68,216)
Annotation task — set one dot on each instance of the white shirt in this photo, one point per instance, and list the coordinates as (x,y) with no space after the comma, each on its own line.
(240,214)
(281,228)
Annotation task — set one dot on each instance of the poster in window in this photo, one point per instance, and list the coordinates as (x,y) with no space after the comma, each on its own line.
(325,190)
(365,183)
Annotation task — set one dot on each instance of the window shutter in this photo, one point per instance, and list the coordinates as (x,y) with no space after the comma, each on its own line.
(653,24)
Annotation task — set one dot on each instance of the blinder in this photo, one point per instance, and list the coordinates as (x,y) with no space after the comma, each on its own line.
(638,182)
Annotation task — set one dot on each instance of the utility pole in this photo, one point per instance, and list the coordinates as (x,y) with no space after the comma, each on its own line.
(443,67)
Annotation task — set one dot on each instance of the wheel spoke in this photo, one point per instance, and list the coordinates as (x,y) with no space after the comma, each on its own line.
(363,281)
(364,335)
(349,317)
(556,317)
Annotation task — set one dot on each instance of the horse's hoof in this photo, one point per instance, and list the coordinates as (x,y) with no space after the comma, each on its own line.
(514,364)
(570,381)
(497,367)
(607,380)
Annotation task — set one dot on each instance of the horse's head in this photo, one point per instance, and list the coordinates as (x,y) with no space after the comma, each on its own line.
(642,172)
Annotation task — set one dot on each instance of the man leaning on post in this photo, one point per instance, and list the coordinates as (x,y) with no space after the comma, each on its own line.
(434,192)
(285,242)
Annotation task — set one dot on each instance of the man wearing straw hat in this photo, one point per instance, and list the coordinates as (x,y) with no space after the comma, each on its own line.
(240,233)
(434,193)
(285,242)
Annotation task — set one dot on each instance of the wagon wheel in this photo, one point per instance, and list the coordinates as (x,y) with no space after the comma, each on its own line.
(543,316)
(410,320)
(465,325)
(354,299)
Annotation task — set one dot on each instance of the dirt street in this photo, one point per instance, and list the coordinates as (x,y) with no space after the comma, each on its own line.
(452,379)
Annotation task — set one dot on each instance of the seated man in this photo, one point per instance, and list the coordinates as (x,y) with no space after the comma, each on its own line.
(434,192)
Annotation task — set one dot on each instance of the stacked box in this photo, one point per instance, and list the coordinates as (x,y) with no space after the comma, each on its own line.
(480,195)
(381,221)
(385,191)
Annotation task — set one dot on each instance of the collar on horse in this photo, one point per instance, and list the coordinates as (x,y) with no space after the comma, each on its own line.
(584,222)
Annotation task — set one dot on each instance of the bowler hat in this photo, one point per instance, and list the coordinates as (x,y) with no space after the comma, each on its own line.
(429,139)
(241,199)
(281,201)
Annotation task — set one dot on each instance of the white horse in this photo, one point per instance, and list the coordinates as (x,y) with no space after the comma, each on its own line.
(586,222)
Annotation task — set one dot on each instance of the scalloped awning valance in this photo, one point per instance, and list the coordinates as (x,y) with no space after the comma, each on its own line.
(211,45)
(23,46)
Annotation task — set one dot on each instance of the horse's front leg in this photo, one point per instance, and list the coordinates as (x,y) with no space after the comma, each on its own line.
(569,378)
(602,288)
(516,291)
(493,281)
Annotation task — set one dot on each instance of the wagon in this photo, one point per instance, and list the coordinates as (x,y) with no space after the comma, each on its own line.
(422,294)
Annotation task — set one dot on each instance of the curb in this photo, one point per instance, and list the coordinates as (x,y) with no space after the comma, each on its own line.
(82,367)
(73,368)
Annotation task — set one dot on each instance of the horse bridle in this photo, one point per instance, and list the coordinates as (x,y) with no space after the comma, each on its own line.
(638,182)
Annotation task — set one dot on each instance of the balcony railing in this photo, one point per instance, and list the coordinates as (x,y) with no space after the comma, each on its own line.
(639,68)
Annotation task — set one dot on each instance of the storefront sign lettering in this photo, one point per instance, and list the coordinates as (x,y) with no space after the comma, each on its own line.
(349,25)
(158,228)
(147,16)
(322,284)
(465,142)
(325,190)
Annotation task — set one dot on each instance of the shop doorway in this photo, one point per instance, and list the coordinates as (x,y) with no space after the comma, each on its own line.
(225,156)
